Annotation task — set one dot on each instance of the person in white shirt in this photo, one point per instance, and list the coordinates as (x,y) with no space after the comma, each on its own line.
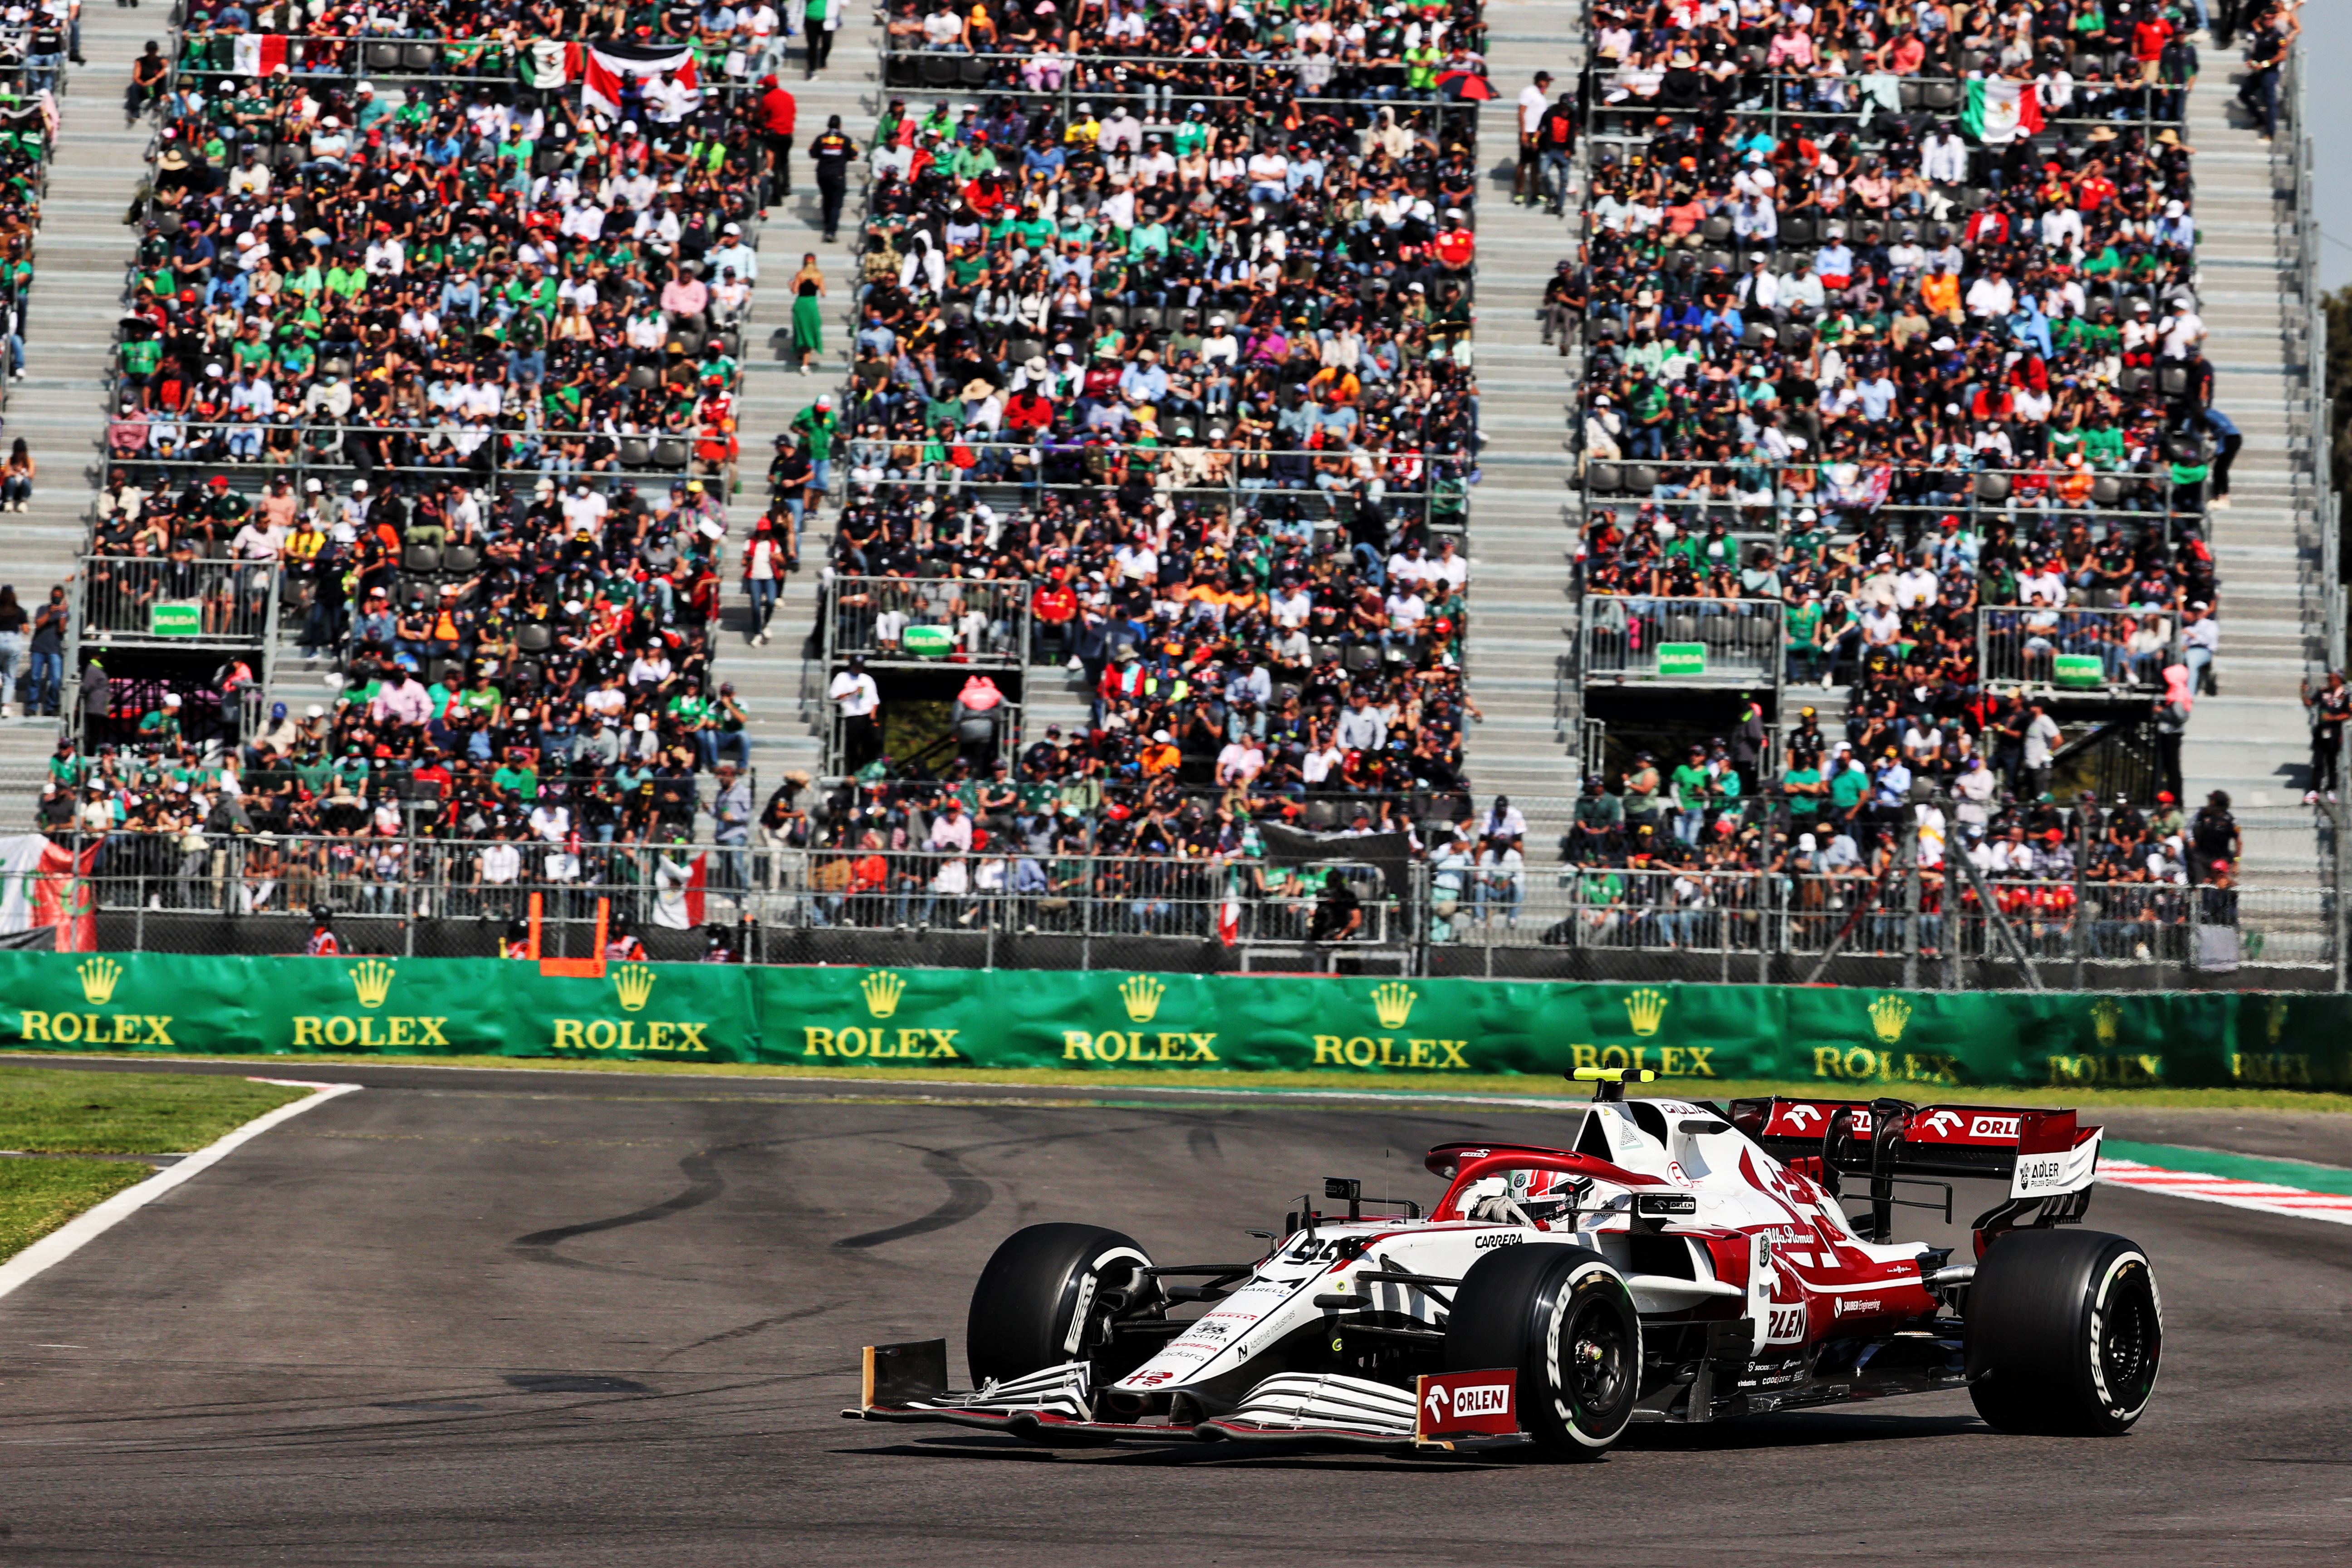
(2183,329)
(1991,297)
(1533,103)
(732,252)
(1137,562)
(1915,587)
(584,508)
(855,697)
(1449,569)
(1240,761)
(1975,784)
(1944,158)
(1501,880)
(1292,605)
(1406,611)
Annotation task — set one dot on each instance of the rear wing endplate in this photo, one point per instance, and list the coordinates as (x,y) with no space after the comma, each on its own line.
(2041,1154)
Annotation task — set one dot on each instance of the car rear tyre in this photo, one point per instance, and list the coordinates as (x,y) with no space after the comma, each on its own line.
(1047,1296)
(2065,1334)
(1563,1318)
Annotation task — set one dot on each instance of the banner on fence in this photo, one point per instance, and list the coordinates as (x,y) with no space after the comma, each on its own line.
(1863,1041)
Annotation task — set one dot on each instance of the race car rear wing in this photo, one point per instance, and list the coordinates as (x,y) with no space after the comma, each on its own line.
(2048,1158)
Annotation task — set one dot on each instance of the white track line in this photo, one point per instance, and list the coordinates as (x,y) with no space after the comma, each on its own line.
(2263,1196)
(77,1232)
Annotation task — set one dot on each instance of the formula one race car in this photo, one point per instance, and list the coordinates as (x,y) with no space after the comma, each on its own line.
(1678,1262)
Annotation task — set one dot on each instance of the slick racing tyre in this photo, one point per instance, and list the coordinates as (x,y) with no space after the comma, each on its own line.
(1562,1316)
(2065,1331)
(1040,1301)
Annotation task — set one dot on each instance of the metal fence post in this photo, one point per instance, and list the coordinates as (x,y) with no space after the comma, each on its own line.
(1910,852)
(2082,891)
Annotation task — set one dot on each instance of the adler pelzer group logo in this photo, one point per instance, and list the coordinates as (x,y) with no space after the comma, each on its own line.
(97,1022)
(1140,997)
(634,986)
(882,990)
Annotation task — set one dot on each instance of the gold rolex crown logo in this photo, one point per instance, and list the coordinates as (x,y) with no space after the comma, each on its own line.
(1647,1009)
(2106,1013)
(372,978)
(1141,993)
(98,981)
(1394,1003)
(882,990)
(1888,1016)
(635,985)
(2276,1022)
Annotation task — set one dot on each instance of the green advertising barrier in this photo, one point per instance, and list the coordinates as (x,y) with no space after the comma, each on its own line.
(1926,1042)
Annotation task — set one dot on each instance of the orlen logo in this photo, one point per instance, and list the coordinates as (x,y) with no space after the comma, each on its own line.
(1994,1127)
(1471,1399)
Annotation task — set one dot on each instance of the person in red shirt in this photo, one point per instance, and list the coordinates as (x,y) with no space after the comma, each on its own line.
(2148,38)
(777,116)
(1052,609)
(1026,412)
(1457,245)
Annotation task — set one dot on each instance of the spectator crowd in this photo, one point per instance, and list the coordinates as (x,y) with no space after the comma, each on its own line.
(458,356)
(1887,363)
(1196,382)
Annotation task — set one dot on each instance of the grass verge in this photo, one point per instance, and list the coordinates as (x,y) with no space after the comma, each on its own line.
(57,1110)
(38,1195)
(1402,1086)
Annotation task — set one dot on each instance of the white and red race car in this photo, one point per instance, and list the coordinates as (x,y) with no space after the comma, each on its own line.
(1676,1262)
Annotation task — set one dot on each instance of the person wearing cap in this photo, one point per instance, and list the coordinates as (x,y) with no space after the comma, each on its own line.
(777,113)
(1534,102)
(830,154)
(819,427)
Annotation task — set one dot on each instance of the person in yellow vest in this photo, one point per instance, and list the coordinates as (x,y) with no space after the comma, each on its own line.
(516,944)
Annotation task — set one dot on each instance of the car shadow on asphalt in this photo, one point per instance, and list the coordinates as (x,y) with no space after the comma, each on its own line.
(1807,1430)
(988,1446)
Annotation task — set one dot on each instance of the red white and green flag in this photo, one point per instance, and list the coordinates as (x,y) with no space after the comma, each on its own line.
(259,54)
(2000,111)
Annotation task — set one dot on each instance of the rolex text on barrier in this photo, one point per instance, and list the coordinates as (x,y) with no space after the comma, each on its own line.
(1690,1035)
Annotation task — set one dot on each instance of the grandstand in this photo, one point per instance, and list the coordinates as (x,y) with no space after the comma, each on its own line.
(1207,464)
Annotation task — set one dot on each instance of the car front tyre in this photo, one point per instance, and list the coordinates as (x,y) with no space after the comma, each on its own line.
(1563,1318)
(2065,1332)
(1046,1297)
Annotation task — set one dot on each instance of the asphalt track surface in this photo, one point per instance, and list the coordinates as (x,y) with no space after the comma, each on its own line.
(537,1318)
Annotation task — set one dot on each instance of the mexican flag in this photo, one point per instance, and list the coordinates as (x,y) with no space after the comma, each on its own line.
(601,67)
(678,891)
(46,901)
(259,54)
(2000,111)
(551,62)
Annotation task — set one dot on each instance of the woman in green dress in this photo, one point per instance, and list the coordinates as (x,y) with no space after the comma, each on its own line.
(808,311)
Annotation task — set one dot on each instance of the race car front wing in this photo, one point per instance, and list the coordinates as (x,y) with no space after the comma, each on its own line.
(907,1383)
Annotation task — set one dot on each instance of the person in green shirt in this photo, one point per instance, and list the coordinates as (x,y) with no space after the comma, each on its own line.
(1849,785)
(819,426)
(1801,783)
(1691,785)
(1807,657)
(347,280)
(519,778)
